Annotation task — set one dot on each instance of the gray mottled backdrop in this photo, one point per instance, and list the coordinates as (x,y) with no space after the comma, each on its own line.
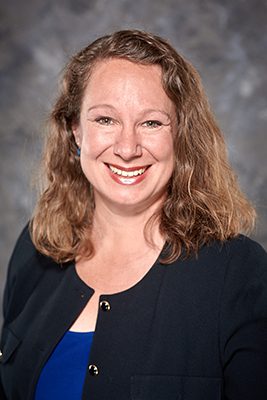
(225,40)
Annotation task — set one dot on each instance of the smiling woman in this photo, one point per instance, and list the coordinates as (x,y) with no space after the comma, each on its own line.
(133,279)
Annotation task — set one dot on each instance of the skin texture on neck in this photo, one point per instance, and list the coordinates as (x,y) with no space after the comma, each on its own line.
(123,229)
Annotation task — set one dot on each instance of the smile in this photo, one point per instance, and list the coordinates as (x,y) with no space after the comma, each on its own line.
(124,173)
(127,176)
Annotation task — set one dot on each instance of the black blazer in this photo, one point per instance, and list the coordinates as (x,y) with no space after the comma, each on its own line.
(191,330)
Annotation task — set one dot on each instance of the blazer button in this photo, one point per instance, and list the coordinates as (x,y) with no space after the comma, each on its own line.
(93,370)
(104,305)
(1,355)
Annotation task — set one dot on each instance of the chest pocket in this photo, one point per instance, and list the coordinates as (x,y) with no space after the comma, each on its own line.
(162,387)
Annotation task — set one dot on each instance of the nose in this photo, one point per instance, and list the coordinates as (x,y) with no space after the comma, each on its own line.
(128,144)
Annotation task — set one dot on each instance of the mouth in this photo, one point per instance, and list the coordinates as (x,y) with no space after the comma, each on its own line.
(127,176)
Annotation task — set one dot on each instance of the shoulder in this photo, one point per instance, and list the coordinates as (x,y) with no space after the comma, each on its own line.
(238,265)
(238,253)
(244,295)
(24,248)
(25,269)
(240,259)
(245,246)
(24,256)
(246,256)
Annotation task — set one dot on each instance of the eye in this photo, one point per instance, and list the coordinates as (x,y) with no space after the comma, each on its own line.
(152,124)
(104,121)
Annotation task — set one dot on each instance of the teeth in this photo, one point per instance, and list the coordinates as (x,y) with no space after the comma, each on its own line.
(125,173)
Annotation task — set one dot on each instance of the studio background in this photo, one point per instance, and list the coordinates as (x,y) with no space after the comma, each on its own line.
(225,40)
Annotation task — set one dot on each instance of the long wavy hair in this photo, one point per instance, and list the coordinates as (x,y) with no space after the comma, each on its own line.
(203,199)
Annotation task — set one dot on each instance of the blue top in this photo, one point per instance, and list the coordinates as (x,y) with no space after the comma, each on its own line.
(64,372)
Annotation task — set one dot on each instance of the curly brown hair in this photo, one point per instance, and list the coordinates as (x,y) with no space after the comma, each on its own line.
(203,201)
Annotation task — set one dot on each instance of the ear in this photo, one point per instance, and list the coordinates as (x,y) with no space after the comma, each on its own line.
(77,134)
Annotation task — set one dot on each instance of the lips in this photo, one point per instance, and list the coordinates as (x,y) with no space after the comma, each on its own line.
(127,171)
(127,175)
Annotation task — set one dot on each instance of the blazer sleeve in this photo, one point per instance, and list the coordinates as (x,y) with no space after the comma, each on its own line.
(21,276)
(243,323)
(20,281)
(10,281)
(12,270)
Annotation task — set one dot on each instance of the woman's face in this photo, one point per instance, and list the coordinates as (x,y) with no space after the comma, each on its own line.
(125,133)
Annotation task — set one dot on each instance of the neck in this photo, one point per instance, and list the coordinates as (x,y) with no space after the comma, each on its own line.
(124,228)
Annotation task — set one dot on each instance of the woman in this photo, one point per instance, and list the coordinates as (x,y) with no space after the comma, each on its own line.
(132,280)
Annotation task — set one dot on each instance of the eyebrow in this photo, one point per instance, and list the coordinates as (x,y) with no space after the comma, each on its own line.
(101,106)
(145,111)
(148,110)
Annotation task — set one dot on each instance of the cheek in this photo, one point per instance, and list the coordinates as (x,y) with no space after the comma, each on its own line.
(94,144)
(163,150)
(166,156)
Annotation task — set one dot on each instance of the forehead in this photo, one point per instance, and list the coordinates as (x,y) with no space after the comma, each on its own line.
(118,78)
(117,69)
